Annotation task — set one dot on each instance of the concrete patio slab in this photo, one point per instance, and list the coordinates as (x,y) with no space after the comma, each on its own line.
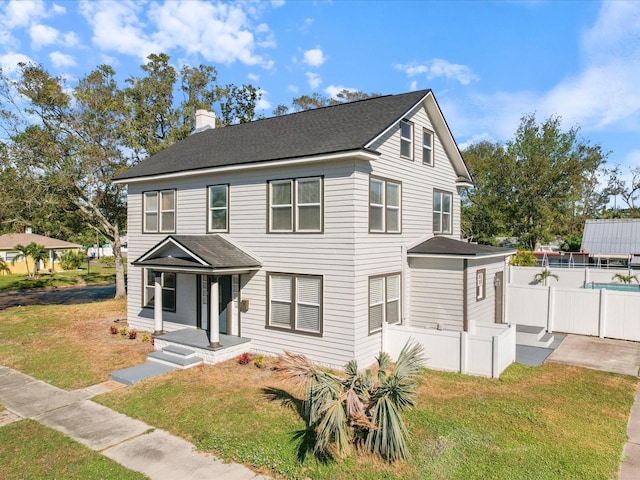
(93,425)
(617,356)
(163,456)
(131,375)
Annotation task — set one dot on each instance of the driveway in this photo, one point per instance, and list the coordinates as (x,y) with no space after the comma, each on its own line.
(55,296)
(617,356)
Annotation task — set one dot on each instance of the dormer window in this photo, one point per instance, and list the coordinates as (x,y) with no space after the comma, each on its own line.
(406,139)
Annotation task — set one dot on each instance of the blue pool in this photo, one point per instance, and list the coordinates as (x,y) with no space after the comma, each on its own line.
(620,287)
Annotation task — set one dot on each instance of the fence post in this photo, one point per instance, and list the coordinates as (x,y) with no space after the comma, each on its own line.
(602,317)
(463,352)
(586,276)
(551,308)
(495,350)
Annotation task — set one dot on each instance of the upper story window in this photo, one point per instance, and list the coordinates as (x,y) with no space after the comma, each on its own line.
(218,220)
(427,147)
(480,284)
(295,205)
(295,302)
(159,211)
(442,211)
(168,282)
(384,301)
(406,139)
(384,206)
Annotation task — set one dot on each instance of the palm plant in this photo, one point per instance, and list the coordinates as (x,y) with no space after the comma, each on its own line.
(543,276)
(627,279)
(355,407)
(38,253)
(4,268)
(23,252)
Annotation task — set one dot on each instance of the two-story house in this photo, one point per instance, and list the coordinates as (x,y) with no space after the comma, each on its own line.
(308,232)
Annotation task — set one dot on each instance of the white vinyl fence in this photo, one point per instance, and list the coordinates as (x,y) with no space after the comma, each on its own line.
(602,313)
(567,277)
(486,351)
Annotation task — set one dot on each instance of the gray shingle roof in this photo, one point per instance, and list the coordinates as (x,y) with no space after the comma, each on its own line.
(448,246)
(216,251)
(611,237)
(340,128)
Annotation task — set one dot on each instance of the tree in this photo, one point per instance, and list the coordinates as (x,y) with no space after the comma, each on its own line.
(316,100)
(628,190)
(358,407)
(543,276)
(38,254)
(4,268)
(23,253)
(539,185)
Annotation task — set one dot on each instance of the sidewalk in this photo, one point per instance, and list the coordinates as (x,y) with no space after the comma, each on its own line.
(132,443)
(630,468)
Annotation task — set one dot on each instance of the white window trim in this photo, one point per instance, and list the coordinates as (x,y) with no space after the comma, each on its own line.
(407,139)
(427,151)
(481,281)
(294,303)
(313,204)
(210,209)
(385,299)
(441,212)
(384,206)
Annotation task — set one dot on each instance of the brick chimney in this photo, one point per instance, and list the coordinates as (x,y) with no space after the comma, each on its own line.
(204,120)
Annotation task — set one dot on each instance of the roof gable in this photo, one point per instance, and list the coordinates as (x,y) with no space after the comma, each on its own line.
(348,127)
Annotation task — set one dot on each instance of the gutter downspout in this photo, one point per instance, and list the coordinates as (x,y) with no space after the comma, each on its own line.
(465,320)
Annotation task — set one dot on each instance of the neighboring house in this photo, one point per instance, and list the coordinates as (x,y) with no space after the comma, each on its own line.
(54,248)
(307,232)
(612,242)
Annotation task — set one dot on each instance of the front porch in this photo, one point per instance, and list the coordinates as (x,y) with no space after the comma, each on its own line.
(197,340)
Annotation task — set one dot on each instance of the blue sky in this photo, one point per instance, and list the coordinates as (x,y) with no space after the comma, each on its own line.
(488,63)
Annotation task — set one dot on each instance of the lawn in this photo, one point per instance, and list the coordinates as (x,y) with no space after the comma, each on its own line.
(98,274)
(549,422)
(33,451)
(68,346)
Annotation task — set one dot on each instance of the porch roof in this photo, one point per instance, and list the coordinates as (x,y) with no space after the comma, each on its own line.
(450,248)
(199,254)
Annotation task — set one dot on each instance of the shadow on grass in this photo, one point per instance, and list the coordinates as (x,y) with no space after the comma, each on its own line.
(305,438)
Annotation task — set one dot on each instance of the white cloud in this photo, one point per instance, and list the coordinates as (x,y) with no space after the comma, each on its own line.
(314,57)
(9,61)
(253,77)
(263,103)
(61,60)
(20,13)
(58,9)
(334,90)
(439,68)
(314,80)
(42,35)
(70,39)
(293,89)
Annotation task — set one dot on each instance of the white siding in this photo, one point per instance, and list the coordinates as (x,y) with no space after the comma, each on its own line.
(483,310)
(345,254)
(436,293)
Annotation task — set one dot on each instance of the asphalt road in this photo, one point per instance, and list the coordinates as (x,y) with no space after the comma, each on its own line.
(56,296)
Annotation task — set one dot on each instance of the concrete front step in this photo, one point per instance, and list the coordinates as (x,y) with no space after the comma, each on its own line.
(533,336)
(136,374)
(176,357)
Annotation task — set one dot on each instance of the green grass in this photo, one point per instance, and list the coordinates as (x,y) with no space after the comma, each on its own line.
(98,275)
(33,451)
(68,346)
(550,422)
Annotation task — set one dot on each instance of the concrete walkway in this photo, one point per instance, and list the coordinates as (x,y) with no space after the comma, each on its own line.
(132,443)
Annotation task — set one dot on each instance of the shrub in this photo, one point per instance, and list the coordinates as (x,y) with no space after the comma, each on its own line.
(132,334)
(71,261)
(524,259)
(108,260)
(113,329)
(259,361)
(123,331)
(244,359)
(145,337)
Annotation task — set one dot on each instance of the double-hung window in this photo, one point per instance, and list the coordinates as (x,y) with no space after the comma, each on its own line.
(218,220)
(295,302)
(168,282)
(159,211)
(384,301)
(406,139)
(295,205)
(442,211)
(427,147)
(385,199)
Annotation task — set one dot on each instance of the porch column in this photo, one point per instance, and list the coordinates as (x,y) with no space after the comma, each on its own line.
(157,303)
(214,315)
